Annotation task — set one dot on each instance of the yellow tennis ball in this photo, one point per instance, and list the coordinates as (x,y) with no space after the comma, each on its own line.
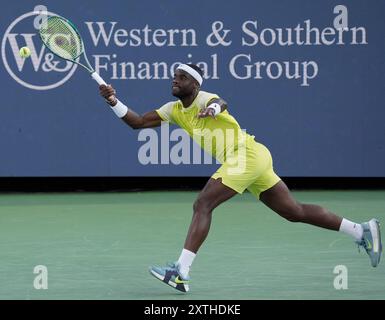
(24,52)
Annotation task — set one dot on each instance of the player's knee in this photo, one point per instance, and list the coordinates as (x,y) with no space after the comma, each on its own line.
(201,206)
(293,213)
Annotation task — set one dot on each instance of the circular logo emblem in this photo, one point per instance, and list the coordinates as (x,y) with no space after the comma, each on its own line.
(42,70)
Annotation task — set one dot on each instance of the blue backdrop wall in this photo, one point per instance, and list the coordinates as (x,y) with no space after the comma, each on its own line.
(305,77)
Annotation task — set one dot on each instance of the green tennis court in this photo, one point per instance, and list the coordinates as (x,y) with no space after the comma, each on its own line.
(99,246)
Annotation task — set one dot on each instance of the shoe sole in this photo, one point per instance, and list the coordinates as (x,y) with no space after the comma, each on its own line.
(170,283)
(374,226)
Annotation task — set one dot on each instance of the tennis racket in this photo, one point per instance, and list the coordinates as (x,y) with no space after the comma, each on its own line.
(62,38)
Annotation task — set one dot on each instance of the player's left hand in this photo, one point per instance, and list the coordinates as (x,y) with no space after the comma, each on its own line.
(207,112)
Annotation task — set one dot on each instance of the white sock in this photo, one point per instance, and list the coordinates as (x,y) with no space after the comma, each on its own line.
(353,229)
(185,261)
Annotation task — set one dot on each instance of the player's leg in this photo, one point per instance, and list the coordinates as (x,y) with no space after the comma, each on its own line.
(212,195)
(279,199)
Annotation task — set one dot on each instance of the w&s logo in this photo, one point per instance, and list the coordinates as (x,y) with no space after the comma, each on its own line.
(42,70)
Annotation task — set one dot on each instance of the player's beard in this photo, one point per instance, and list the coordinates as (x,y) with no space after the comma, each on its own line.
(183,92)
(179,92)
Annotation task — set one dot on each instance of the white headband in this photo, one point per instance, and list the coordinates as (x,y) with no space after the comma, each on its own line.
(191,72)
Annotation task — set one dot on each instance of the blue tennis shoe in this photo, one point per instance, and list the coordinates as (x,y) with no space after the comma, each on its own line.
(171,276)
(371,241)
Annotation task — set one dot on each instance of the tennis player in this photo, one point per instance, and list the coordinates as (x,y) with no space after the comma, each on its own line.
(246,164)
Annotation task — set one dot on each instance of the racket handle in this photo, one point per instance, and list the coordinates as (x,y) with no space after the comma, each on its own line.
(100,81)
(98,78)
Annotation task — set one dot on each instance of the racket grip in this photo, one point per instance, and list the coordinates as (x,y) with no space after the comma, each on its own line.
(100,81)
(98,78)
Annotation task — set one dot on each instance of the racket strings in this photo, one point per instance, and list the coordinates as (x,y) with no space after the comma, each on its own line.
(61,38)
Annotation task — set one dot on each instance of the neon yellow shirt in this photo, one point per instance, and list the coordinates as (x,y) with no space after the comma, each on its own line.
(218,137)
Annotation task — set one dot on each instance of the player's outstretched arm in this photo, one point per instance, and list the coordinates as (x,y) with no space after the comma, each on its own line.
(148,120)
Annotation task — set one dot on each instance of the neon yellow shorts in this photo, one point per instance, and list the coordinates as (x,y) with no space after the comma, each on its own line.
(250,168)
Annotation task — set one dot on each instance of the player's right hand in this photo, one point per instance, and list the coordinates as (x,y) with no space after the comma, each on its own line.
(108,93)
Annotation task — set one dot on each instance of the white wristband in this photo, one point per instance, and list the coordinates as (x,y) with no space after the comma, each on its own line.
(120,109)
(216,107)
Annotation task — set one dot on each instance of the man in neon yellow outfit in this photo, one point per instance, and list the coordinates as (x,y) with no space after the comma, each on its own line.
(246,164)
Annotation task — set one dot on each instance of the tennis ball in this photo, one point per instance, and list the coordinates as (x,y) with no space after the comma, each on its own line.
(24,52)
